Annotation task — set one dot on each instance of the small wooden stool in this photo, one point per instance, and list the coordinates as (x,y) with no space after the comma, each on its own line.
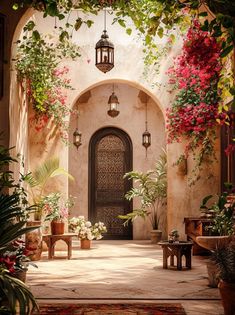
(179,250)
(51,240)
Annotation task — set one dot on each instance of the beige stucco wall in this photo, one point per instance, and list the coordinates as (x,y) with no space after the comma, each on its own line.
(93,116)
(128,77)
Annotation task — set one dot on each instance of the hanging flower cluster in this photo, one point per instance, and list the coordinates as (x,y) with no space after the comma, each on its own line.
(44,80)
(195,75)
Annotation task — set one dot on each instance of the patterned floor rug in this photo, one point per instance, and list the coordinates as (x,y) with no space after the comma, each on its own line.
(112,309)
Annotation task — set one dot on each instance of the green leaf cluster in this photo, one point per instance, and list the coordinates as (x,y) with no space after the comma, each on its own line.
(38,180)
(151,189)
(13,293)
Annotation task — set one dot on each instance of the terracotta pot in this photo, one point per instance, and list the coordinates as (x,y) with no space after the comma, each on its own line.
(156,236)
(21,275)
(33,241)
(85,244)
(57,227)
(227,292)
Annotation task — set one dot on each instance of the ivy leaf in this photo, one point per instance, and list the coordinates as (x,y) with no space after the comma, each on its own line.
(61,16)
(78,24)
(203,14)
(29,26)
(226,51)
(35,35)
(147,39)
(122,23)
(205,26)
(160,32)
(63,35)
(89,23)
(129,31)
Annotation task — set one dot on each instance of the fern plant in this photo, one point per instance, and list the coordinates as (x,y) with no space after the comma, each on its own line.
(151,189)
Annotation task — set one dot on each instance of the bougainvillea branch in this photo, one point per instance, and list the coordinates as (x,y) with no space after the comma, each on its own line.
(195,111)
(44,80)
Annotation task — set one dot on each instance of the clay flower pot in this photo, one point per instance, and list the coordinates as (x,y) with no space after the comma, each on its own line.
(227,292)
(57,227)
(85,244)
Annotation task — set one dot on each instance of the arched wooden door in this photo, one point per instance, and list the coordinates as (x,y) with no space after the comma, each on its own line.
(110,157)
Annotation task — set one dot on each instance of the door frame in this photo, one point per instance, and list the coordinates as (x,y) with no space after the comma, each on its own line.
(97,136)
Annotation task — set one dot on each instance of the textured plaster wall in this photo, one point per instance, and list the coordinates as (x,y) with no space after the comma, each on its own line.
(128,77)
(93,116)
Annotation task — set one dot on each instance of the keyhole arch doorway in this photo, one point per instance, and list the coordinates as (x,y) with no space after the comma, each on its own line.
(110,157)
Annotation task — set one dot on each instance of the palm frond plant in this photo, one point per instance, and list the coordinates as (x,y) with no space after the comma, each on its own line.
(15,296)
(39,178)
(151,189)
(224,258)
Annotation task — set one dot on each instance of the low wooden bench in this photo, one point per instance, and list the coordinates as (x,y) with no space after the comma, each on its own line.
(51,240)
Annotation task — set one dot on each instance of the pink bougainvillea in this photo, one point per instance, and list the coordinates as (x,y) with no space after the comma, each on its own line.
(195,75)
(55,105)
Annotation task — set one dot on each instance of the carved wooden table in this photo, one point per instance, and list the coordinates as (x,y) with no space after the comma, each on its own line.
(51,240)
(178,250)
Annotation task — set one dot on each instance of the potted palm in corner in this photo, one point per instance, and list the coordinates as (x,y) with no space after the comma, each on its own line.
(151,189)
(224,258)
(15,296)
(38,187)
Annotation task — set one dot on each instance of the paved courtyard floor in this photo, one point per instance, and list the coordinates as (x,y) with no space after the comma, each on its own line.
(122,271)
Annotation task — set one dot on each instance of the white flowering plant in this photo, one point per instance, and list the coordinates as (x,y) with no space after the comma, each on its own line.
(85,229)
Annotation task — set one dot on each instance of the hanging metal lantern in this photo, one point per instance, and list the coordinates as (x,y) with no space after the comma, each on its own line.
(146,139)
(146,136)
(104,57)
(77,138)
(113,105)
(104,51)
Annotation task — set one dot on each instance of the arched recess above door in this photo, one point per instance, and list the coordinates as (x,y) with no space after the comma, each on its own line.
(110,157)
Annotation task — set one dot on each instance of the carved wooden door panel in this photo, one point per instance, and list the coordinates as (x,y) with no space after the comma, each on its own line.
(110,159)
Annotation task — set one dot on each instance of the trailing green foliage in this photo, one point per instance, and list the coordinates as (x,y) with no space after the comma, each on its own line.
(222,214)
(151,189)
(14,294)
(38,69)
(20,299)
(155,17)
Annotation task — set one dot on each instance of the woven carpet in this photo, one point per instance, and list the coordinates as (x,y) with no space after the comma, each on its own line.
(112,309)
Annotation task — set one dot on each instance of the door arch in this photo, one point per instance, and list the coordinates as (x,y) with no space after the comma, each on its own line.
(110,157)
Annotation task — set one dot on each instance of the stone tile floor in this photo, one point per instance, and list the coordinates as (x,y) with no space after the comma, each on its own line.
(122,271)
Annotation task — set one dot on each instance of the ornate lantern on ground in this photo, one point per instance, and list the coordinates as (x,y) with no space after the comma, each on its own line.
(104,55)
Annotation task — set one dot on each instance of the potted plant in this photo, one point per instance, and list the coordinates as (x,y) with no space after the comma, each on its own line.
(151,189)
(16,259)
(37,181)
(222,221)
(14,294)
(224,258)
(56,211)
(86,231)
(221,213)
(174,236)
